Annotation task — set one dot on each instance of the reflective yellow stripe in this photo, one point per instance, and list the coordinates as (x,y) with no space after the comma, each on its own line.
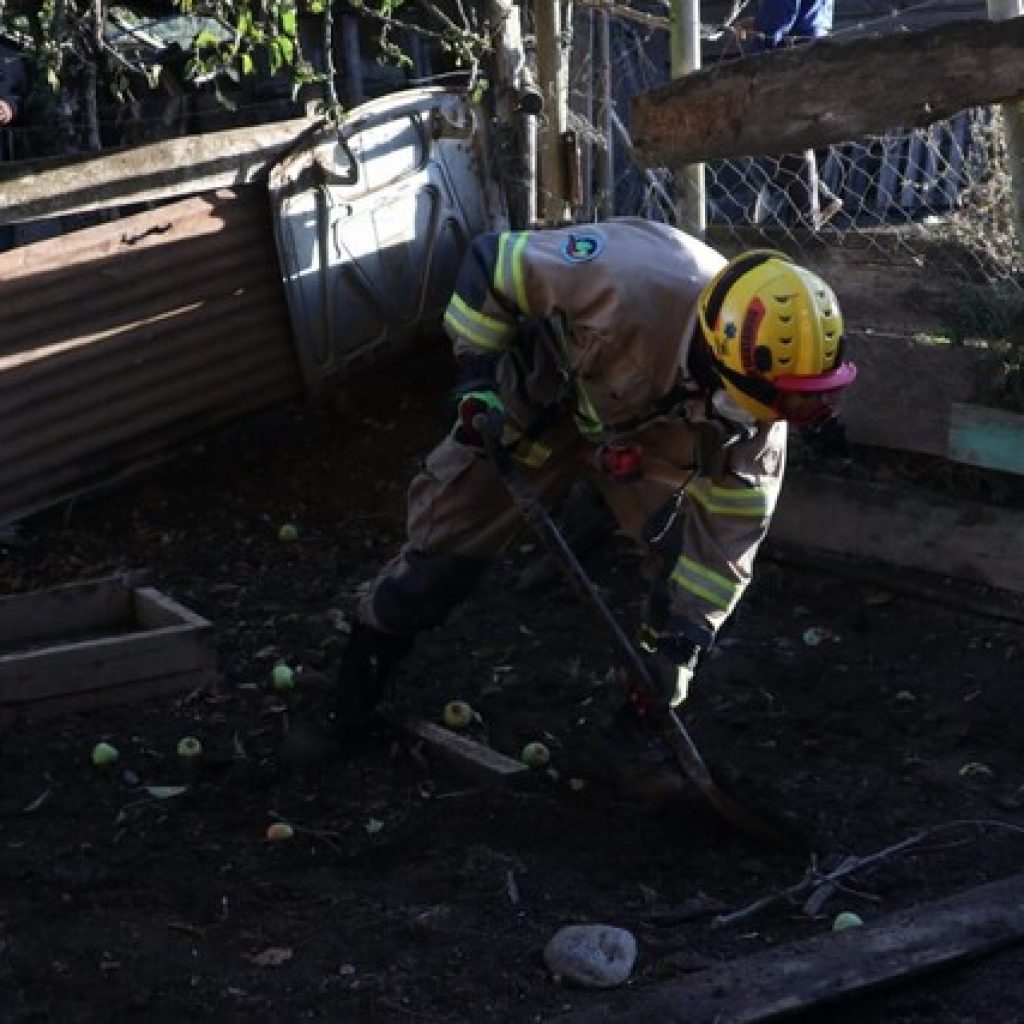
(470,334)
(586,416)
(500,272)
(713,587)
(483,330)
(518,275)
(509,279)
(728,501)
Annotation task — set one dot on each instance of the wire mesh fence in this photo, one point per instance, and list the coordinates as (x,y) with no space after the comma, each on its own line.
(937,197)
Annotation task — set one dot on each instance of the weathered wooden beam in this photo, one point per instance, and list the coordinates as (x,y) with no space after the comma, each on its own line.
(465,755)
(37,189)
(903,526)
(831,91)
(828,967)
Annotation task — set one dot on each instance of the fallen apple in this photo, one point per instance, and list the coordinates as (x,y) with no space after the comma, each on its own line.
(288,532)
(189,747)
(283,677)
(535,754)
(457,714)
(846,919)
(278,831)
(104,754)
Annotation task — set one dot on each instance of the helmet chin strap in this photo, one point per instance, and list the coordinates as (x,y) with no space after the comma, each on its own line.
(712,375)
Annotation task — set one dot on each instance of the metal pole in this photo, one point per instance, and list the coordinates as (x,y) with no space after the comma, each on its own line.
(551,82)
(685,41)
(1013,123)
(604,168)
(581,102)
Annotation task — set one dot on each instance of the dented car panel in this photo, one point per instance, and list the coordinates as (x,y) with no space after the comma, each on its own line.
(371,220)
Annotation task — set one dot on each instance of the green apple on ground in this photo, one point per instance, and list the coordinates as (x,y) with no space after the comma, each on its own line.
(457,714)
(189,746)
(846,919)
(288,531)
(283,677)
(535,754)
(104,754)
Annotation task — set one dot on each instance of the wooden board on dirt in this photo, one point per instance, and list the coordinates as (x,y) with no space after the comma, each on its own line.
(97,642)
(829,967)
(465,755)
(903,526)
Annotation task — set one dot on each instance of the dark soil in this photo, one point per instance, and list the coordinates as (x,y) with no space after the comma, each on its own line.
(408,893)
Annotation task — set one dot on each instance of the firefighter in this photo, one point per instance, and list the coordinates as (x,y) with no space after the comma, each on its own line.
(637,356)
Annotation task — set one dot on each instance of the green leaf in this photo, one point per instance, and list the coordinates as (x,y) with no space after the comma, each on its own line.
(205,39)
(289,22)
(286,48)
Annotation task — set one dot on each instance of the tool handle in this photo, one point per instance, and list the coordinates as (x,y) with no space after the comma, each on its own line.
(490,425)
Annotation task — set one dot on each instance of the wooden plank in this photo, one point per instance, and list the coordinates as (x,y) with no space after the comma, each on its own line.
(959,595)
(154,610)
(465,754)
(87,700)
(828,967)
(66,611)
(902,526)
(992,438)
(833,90)
(906,391)
(32,190)
(106,662)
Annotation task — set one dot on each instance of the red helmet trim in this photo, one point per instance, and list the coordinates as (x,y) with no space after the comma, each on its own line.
(831,380)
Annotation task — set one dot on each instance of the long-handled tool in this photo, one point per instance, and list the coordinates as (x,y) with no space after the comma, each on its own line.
(666,720)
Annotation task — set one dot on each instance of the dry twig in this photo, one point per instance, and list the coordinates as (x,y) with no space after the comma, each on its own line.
(813,879)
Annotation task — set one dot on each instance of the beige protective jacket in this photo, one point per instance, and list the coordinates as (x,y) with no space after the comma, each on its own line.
(622,295)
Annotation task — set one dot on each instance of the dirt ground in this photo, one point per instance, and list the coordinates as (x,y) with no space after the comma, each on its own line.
(408,893)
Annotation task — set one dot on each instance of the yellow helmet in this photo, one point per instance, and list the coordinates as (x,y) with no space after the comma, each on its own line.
(775,336)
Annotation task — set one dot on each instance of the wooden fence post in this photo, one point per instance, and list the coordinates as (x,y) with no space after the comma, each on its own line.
(1013,123)
(548,16)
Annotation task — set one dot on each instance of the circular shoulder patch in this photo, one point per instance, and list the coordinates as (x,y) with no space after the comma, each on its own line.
(582,246)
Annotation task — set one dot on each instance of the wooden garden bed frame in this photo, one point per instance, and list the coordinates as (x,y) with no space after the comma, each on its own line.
(97,642)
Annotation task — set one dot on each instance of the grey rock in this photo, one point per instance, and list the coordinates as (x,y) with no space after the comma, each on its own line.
(594,955)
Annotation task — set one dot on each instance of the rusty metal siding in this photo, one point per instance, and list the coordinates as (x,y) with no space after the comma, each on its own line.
(120,342)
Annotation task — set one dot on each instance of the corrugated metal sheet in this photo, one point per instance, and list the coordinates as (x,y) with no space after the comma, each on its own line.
(120,342)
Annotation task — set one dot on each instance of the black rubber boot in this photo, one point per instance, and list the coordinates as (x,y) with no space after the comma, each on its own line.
(367,667)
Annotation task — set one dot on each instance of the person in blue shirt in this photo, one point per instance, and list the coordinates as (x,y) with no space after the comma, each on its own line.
(777,24)
(786,22)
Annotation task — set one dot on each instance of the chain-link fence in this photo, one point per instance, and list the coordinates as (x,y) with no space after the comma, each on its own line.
(932,202)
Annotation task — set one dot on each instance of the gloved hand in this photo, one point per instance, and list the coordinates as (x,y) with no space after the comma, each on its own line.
(671,662)
(472,404)
(671,681)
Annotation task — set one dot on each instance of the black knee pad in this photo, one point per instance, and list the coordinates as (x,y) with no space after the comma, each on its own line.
(426,591)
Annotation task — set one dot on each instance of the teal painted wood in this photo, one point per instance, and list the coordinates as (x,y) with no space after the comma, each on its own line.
(991,438)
